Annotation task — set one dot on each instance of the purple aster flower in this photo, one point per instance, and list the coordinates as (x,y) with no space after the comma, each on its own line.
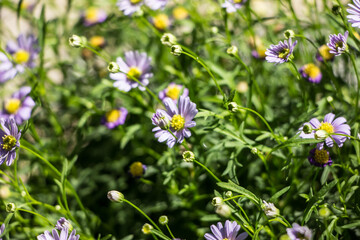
(319,158)
(136,65)
(311,72)
(129,6)
(63,223)
(233,5)
(354,13)
(19,106)
(324,54)
(329,126)
(229,232)
(283,52)
(93,15)
(2,229)
(298,232)
(23,53)
(337,43)
(64,235)
(9,140)
(173,91)
(179,119)
(114,117)
(137,169)
(156,4)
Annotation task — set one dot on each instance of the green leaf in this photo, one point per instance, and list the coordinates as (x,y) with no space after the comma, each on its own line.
(279,193)
(295,142)
(160,234)
(351,225)
(236,188)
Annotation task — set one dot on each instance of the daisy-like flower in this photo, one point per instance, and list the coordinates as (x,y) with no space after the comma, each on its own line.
(23,53)
(137,65)
(298,232)
(354,13)
(156,4)
(63,223)
(9,140)
(128,7)
(2,229)
(179,119)
(233,5)
(328,126)
(337,43)
(93,15)
(54,235)
(19,106)
(115,117)
(283,52)
(269,209)
(311,72)
(319,158)
(173,91)
(137,169)
(324,54)
(229,232)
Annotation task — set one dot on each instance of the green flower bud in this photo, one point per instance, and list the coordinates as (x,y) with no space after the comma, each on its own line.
(223,210)
(163,220)
(188,156)
(289,34)
(229,194)
(10,207)
(321,134)
(115,196)
(176,50)
(217,201)
(146,229)
(77,41)
(232,51)
(113,67)
(168,39)
(307,128)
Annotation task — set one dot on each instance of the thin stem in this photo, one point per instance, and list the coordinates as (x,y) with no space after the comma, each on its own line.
(208,170)
(167,226)
(358,83)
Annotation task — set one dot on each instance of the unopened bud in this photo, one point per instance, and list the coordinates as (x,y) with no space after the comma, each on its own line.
(269,209)
(336,9)
(289,34)
(163,220)
(77,41)
(188,156)
(115,196)
(330,99)
(232,51)
(176,50)
(146,229)
(229,194)
(233,107)
(254,150)
(217,201)
(321,134)
(10,207)
(324,212)
(223,210)
(307,128)
(168,39)
(113,67)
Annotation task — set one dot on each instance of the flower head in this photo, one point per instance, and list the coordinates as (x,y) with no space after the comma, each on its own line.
(283,52)
(324,54)
(319,158)
(64,235)
(329,125)
(93,15)
(354,13)
(156,4)
(180,13)
(19,106)
(136,65)
(97,41)
(63,223)
(229,232)
(129,6)
(233,5)
(161,21)
(23,53)
(298,232)
(311,72)
(180,118)
(173,91)
(115,117)
(270,209)
(337,43)
(9,140)
(137,169)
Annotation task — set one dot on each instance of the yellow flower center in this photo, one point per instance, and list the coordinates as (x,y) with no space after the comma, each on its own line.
(91,14)
(339,45)
(284,52)
(135,1)
(134,72)
(97,41)
(180,13)
(311,70)
(326,127)
(12,105)
(177,122)
(113,115)
(237,1)
(8,142)
(136,169)
(21,56)
(324,51)
(161,21)
(261,51)
(173,92)
(321,156)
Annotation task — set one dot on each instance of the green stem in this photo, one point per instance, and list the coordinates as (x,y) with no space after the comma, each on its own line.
(167,226)
(358,84)
(208,170)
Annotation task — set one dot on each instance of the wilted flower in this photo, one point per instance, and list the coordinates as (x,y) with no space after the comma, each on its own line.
(115,196)
(283,52)
(115,117)
(63,223)
(19,106)
(168,39)
(324,54)
(270,209)
(64,235)
(180,13)
(155,4)
(329,125)
(9,140)
(94,15)
(354,13)
(146,229)
(129,6)
(233,5)
(311,72)
(136,65)
(319,158)
(173,91)
(337,43)
(298,232)
(137,169)
(229,232)
(23,53)
(180,118)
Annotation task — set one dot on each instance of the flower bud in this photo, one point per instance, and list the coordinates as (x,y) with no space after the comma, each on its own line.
(324,212)
(76,41)
(63,223)
(217,201)
(321,134)
(254,150)
(113,67)
(270,209)
(307,128)
(163,220)
(188,156)
(115,196)
(146,229)
(232,51)
(336,9)
(233,107)
(168,39)
(223,210)
(10,207)
(330,99)
(161,120)
(289,34)
(229,194)
(176,50)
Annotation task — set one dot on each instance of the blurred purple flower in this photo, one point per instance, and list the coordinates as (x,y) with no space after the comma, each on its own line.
(229,232)
(114,117)
(19,106)
(354,13)
(337,43)
(324,54)
(280,53)
(137,169)
(319,158)
(63,223)
(2,229)
(298,232)
(64,235)
(311,72)
(233,5)
(9,140)
(93,15)
(128,7)
(136,65)
(156,4)
(173,91)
